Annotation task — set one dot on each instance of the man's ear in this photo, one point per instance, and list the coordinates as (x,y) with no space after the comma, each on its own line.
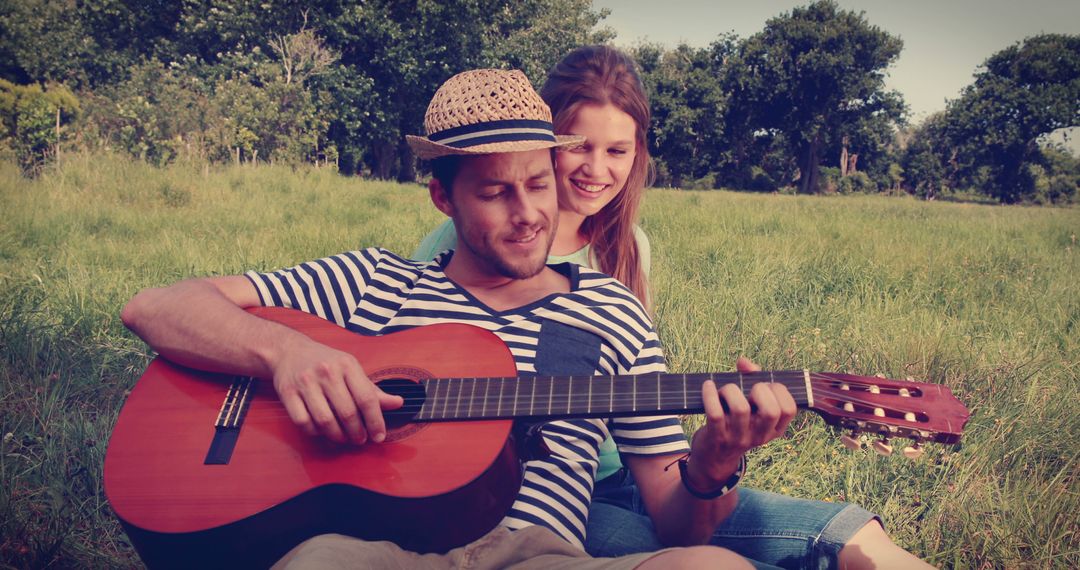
(440,197)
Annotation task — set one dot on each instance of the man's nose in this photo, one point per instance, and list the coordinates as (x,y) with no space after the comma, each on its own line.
(524,209)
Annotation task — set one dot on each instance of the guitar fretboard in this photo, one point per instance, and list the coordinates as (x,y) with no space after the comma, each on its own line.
(551,397)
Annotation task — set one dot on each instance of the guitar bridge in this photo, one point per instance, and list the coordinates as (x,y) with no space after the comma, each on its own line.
(229,421)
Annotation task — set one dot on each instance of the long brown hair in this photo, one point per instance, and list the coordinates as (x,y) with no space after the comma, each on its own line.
(598,75)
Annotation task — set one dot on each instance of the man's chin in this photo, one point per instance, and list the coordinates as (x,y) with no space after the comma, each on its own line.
(520,270)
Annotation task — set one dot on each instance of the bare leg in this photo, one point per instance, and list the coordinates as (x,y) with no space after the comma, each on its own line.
(872,548)
(695,558)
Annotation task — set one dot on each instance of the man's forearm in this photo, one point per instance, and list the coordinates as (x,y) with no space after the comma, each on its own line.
(195,324)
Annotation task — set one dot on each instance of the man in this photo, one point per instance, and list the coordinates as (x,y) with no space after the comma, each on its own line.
(491,140)
(501,193)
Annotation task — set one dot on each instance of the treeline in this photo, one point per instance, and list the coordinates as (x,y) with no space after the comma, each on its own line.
(800,105)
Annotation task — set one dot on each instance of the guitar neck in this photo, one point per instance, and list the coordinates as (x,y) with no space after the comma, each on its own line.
(555,397)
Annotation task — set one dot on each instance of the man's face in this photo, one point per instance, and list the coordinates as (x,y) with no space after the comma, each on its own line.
(505,207)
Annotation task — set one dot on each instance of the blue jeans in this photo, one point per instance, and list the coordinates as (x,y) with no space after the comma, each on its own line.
(770,530)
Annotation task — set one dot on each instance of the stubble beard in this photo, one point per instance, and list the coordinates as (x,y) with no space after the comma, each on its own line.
(524,269)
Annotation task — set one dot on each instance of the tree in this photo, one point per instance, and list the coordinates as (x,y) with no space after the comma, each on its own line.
(1023,92)
(927,158)
(813,75)
(687,103)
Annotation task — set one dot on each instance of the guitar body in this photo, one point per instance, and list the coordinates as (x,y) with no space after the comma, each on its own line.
(428,488)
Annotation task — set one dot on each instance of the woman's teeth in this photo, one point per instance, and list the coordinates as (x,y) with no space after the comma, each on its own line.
(592,188)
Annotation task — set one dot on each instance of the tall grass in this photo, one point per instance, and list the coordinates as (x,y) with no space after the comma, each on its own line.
(983,299)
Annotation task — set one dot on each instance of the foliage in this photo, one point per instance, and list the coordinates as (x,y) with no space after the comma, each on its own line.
(816,75)
(688,133)
(33,118)
(1023,92)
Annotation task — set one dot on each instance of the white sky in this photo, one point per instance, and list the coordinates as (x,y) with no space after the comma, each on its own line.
(944,40)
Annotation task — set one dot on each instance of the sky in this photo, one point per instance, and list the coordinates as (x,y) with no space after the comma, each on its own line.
(944,40)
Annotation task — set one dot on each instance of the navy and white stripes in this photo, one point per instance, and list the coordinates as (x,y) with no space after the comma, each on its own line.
(487,132)
(374,292)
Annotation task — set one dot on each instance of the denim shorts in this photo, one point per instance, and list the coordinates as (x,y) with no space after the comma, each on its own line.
(770,530)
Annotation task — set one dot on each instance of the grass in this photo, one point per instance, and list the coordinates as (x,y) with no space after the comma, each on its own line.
(981,298)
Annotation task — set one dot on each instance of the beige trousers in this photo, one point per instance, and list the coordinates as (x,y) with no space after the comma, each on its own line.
(532,548)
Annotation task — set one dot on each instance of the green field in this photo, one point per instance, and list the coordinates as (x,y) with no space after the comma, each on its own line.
(985,299)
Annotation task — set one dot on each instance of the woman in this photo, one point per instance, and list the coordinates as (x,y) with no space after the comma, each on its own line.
(595,91)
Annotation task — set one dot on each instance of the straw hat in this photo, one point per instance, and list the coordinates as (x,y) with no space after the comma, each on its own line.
(486,111)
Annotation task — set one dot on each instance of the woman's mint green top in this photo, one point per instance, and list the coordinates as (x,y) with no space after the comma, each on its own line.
(444,237)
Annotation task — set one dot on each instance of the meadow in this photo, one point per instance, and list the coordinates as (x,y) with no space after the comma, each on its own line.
(984,299)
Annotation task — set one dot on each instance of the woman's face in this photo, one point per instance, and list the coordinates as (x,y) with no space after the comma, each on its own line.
(591,175)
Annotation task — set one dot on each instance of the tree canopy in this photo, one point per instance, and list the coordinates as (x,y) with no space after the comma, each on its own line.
(800,105)
(815,75)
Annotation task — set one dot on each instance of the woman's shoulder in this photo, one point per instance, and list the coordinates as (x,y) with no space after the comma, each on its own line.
(440,239)
(644,249)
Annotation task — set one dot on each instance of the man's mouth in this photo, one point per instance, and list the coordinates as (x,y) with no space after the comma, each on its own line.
(527,238)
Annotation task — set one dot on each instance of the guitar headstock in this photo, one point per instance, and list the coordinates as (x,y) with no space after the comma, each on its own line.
(918,411)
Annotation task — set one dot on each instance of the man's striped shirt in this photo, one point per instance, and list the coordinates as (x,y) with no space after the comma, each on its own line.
(598,328)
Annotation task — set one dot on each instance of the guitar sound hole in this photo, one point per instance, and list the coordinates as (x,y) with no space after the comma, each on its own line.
(411,392)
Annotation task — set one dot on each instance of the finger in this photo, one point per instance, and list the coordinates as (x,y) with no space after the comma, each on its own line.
(389,401)
(321,414)
(788,408)
(744,364)
(738,420)
(344,409)
(763,421)
(298,413)
(714,410)
(366,396)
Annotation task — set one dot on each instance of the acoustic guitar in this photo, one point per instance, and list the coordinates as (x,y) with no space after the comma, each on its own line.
(207,470)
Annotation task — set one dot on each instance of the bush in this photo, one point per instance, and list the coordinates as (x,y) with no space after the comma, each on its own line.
(856,182)
(29,115)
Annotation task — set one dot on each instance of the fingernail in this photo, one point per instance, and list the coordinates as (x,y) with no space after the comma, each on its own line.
(379,437)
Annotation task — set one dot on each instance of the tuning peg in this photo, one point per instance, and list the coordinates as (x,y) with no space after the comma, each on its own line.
(913,451)
(852,441)
(882,447)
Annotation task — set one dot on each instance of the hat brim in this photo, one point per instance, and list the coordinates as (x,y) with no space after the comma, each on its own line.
(427,150)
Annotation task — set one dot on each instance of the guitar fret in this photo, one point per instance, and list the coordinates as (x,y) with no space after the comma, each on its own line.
(472,395)
(589,409)
(517,388)
(487,385)
(435,397)
(684,399)
(658,407)
(502,384)
(569,394)
(551,394)
(457,405)
(611,395)
(532,398)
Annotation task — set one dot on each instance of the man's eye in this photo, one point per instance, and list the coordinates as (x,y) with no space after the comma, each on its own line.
(491,196)
(538,187)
